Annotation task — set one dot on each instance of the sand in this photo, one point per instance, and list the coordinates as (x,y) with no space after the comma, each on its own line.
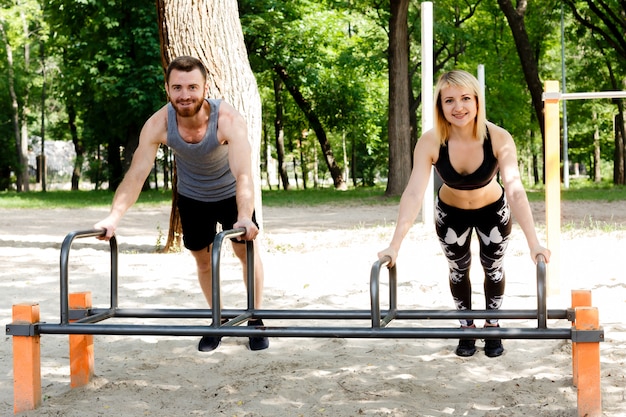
(315,257)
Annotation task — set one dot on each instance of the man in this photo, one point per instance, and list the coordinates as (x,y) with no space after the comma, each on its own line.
(213,158)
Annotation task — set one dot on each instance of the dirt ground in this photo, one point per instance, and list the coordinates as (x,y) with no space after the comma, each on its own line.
(314,257)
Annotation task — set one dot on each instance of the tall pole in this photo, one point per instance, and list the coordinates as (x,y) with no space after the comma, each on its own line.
(481,82)
(553,186)
(428,203)
(42,166)
(564,90)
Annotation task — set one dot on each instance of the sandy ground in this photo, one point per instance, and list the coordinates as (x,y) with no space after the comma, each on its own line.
(318,257)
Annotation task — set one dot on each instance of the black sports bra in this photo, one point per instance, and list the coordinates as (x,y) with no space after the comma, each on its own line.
(477,179)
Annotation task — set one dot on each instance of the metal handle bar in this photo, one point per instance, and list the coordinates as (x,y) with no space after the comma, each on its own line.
(215,271)
(542,310)
(64,268)
(375,292)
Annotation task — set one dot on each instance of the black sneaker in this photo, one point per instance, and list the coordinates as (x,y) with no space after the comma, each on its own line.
(209,343)
(258,343)
(493,348)
(466,347)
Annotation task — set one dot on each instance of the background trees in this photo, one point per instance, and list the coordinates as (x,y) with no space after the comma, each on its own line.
(323,70)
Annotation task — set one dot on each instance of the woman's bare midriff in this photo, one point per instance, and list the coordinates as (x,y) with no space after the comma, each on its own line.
(471,199)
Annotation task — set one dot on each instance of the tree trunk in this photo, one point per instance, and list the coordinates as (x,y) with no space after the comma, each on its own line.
(399,119)
(21,169)
(211,31)
(280,133)
(78,147)
(515,17)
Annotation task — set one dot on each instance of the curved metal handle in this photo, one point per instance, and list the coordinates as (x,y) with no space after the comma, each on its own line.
(375,289)
(542,309)
(64,268)
(216,253)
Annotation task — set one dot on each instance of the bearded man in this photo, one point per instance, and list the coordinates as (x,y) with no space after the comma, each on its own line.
(209,138)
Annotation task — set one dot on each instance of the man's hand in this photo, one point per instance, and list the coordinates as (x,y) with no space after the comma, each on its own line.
(108,224)
(251,229)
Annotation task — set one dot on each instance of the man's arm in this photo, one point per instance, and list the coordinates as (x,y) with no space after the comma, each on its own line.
(233,130)
(152,134)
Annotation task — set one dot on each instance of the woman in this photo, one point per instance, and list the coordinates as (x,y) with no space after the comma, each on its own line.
(467,151)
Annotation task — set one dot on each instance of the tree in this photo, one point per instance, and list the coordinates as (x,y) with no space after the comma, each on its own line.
(112,80)
(528,58)
(16,32)
(607,25)
(211,31)
(399,121)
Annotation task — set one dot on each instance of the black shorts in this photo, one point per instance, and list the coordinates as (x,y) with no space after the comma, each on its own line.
(199,220)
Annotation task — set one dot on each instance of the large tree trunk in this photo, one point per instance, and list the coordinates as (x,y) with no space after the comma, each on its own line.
(399,119)
(211,31)
(21,148)
(515,17)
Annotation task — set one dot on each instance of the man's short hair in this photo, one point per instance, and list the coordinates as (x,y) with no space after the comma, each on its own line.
(186,64)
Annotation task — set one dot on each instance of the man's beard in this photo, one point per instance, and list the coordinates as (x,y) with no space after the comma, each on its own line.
(188,111)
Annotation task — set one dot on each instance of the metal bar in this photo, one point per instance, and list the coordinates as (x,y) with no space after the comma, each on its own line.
(583,96)
(95,318)
(338,332)
(216,254)
(64,265)
(250,274)
(114,269)
(553,314)
(374,291)
(542,310)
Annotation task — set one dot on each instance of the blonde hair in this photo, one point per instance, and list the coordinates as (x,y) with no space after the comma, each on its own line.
(459,79)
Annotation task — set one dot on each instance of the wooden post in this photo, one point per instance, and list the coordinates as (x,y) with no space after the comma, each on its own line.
(553,186)
(26,361)
(580,298)
(588,365)
(81,346)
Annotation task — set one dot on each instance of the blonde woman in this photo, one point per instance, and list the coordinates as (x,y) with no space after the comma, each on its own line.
(468,151)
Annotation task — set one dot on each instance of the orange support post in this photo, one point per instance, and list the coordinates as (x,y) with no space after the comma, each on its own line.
(26,361)
(580,298)
(588,364)
(553,187)
(81,346)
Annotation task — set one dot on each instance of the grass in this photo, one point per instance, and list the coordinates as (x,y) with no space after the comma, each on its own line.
(73,199)
(366,196)
(584,191)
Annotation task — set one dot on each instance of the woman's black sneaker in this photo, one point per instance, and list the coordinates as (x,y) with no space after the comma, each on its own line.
(466,347)
(493,348)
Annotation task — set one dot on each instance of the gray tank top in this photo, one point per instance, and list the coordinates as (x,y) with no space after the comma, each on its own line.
(202,168)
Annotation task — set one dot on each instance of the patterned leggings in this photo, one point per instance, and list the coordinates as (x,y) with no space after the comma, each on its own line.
(454,228)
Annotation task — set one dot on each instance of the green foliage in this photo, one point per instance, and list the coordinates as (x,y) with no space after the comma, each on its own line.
(111,62)
(102,63)
(337,67)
